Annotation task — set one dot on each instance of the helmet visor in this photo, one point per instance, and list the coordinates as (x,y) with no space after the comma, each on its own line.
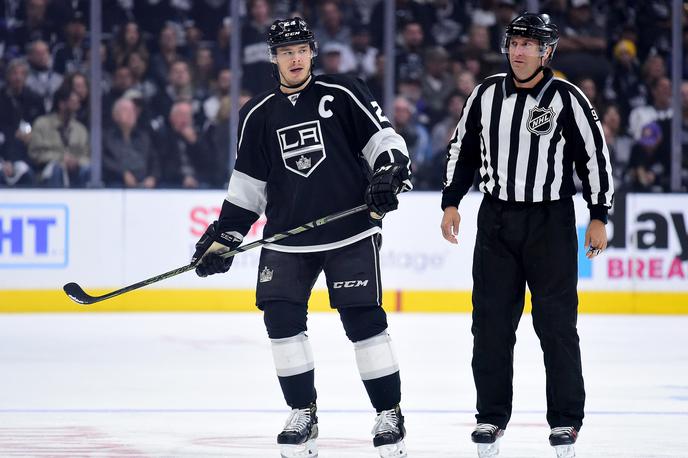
(528,47)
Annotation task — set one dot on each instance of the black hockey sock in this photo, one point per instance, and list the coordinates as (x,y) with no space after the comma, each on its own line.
(384,392)
(298,390)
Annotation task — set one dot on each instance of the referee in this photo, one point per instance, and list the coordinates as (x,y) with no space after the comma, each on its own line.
(526,131)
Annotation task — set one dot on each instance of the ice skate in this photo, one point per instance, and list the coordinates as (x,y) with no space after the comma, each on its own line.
(562,439)
(297,440)
(389,434)
(487,437)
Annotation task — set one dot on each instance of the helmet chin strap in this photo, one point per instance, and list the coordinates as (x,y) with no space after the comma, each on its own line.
(535,73)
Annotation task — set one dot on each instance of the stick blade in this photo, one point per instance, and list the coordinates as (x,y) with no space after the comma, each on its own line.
(77,294)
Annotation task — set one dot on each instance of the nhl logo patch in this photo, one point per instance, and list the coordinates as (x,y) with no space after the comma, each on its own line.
(540,120)
(302,146)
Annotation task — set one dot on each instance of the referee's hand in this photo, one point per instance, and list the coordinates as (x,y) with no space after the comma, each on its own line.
(595,238)
(450,224)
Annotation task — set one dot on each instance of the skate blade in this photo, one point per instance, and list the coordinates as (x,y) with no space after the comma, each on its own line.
(308,449)
(488,450)
(397,450)
(565,451)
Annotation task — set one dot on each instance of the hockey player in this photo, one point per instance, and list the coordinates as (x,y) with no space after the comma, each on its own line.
(526,132)
(306,149)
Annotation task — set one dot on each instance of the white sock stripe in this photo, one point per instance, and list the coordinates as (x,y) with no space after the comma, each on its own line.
(375,357)
(292,355)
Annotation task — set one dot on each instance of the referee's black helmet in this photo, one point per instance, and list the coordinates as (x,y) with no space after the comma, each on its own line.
(536,26)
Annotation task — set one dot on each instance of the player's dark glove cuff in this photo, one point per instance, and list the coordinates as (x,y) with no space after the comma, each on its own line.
(386,183)
(214,234)
(213,263)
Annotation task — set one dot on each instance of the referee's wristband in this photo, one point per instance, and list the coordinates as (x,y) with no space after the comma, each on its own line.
(599,212)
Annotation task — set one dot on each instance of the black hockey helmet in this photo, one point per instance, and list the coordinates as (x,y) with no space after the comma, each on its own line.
(536,26)
(284,32)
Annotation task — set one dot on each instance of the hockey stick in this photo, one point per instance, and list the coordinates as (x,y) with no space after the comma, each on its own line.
(78,295)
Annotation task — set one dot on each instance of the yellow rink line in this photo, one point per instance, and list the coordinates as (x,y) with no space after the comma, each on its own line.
(189,300)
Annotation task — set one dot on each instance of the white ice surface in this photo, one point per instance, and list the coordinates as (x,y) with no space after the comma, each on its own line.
(203,385)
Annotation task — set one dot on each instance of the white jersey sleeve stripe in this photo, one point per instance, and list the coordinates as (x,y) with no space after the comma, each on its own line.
(358,102)
(247,192)
(241,136)
(383,140)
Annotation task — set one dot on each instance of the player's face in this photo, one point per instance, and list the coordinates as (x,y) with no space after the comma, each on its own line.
(294,63)
(524,55)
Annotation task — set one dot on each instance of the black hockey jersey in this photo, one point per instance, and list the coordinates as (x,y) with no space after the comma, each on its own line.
(306,155)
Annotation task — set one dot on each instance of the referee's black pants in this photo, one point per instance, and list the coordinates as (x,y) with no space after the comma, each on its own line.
(533,243)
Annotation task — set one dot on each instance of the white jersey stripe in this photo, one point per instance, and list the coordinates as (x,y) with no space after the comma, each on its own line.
(247,192)
(383,140)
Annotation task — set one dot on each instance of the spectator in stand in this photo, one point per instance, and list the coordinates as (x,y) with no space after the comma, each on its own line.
(59,144)
(42,79)
(448,22)
(79,84)
(465,83)
(477,47)
(37,26)
(331,59)
(437,83)
(648,169)
(204,72)
(376,82)
(221,45)
(624,85)
(660,110)
(20,107)
(589,88)
(411,89)
(257,69)
(405,11)
(167,54)
(332,27)
(582,44)
(414,134)
(409,58)
(653,23)
(183,157)
(122,81)
(618,143)
(178,89)
(505,12)
(70,56)
(217,139)
(653,69)
(127,41)
(429,174)
(363,53)
(211,105)
(442,131)
(139,73)
(128,156)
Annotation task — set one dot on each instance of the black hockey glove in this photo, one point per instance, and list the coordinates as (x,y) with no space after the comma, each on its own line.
(208,247)
(387,182)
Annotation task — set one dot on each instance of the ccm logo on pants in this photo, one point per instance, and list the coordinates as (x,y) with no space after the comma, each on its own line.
(349,284)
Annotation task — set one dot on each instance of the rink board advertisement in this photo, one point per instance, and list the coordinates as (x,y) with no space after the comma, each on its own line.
(107,239)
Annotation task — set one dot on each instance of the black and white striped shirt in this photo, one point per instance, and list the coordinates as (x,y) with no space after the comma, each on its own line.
(526,144)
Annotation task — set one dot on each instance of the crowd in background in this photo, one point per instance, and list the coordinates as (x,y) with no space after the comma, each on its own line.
(166,81)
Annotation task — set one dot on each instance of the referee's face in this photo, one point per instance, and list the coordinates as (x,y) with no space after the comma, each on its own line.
(524,55)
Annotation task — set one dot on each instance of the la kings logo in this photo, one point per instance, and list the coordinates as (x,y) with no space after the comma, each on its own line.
(303,149)
(540,120)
